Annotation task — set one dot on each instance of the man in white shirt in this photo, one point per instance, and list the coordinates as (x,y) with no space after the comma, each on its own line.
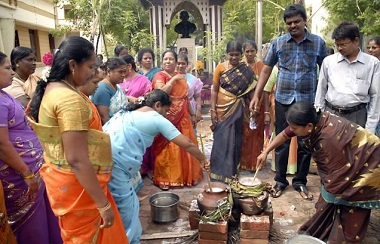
(349,81)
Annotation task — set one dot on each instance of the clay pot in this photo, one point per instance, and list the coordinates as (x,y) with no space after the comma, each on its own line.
(208,201)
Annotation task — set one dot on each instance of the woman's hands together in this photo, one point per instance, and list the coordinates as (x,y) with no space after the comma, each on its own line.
(178,77)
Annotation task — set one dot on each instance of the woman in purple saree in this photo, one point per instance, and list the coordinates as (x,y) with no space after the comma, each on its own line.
(21,156)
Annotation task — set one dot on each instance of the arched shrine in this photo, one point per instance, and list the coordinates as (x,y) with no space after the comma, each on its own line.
(207,14)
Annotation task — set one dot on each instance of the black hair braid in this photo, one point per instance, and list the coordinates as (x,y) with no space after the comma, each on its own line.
(36,100)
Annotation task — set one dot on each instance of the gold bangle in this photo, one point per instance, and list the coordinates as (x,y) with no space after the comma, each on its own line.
(267,113)
(29,176)
(105,208)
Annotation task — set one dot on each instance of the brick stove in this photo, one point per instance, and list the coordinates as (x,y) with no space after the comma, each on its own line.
(254,229)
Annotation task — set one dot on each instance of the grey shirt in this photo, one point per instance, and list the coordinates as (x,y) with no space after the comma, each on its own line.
(347,84)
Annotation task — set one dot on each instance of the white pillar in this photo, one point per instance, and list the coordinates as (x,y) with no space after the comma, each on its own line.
(164,41)
(259,28)
(160,28)
(7,35)
(209,58)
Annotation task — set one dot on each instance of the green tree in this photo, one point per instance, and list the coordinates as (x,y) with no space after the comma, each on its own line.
(118,21)
(365,13)
(239,22)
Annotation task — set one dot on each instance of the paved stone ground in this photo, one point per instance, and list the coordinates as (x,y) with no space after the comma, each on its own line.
(286,220)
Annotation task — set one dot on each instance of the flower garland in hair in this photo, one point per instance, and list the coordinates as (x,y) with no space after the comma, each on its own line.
(140,100)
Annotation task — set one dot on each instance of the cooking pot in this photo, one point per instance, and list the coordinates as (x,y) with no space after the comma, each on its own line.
(249,181)
(251,205)
(304,239)
(164,207)
(209,200)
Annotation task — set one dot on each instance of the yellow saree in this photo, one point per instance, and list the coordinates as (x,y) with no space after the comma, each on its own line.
(79,218)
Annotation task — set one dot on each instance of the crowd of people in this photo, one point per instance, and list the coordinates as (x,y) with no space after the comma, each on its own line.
(75,142)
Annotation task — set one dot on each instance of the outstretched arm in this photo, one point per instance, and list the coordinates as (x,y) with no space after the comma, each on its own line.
(185,143)
(277,141)
(263,78)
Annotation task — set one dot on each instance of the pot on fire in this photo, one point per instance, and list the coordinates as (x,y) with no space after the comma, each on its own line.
(209,200)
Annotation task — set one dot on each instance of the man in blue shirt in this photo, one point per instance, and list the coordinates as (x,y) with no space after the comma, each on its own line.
(298,54)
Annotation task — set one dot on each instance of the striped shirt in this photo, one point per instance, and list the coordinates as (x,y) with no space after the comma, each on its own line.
(297,77)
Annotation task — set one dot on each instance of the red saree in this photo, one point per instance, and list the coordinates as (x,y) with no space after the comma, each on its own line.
(174,166)
(253,140)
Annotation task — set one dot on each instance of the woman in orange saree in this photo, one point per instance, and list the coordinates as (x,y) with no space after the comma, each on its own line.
(253,140)
(6,234)
(174,166)
(77,155)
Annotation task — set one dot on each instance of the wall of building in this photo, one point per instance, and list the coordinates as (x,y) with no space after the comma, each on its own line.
(317,15)
(35,15)
(43,39)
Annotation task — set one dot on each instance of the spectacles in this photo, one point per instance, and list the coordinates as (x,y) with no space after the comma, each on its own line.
(342,45)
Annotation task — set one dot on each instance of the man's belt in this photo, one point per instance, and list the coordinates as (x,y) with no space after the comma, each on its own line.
(345,110)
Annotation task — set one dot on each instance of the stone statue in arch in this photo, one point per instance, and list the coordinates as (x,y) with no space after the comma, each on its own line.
(185,27)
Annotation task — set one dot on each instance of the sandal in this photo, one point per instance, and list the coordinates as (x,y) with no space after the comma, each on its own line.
(304,192)
(163,187)
(277,191)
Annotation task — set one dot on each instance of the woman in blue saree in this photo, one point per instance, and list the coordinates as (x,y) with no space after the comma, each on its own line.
(109,98)
(146,58)
(131,132)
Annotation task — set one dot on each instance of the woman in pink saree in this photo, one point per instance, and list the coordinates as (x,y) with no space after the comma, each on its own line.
(134,85)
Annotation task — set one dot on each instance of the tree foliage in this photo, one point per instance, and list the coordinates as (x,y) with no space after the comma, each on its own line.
(365,13)
(118,21)
(239,22)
